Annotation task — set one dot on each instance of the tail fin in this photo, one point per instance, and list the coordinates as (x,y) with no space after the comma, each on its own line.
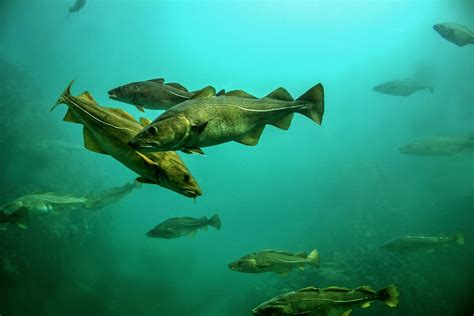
(389,295)
(215,222)
(137,184)
(62,98)
(430,88)
(315,96)
(313,258)
(459,238)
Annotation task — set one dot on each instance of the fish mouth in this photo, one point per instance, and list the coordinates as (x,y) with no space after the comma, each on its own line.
(112,95)
(141,146)
(191,193)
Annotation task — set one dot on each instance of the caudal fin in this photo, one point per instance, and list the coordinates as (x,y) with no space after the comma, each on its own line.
(62,97)
(215,222)
(313,258)
(459,238)
(315,96)
(389,295)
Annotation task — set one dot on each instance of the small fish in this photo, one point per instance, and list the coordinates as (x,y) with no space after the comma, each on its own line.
(422,243)
(181,226)
(280,262)
(331,301)
(152,94)
(107,131)
(455,33)
(438,146)
(208,120)
(20,218)
(107,197)
(78,5)
(401,87)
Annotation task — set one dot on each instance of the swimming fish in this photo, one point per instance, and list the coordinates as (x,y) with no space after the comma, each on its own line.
(208,120)
(110,196)
(152,94)
(78,5)
(280,262)
(401,87)
(438,146)
(422,243)
(107,131)
(455,33)
(181,226)
(331,301)
(20,218)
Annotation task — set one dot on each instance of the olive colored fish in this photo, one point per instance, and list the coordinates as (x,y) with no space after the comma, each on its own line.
(208,120)
(422,243)
(152,94)
(438,146)
(401,87)
(181,226)
(78,5)
(280,262)
(107,197)
(331,301)
(20,218)
(107,131)
(455,33)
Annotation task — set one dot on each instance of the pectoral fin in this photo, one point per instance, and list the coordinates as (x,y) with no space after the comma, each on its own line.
(91,144)
(192,233)
(284,123)
(283,271)
(144,121)
(199,127)
(251,138)
(140,108)
(69,117)
(146,159)
(365,305)
(347,312)
(193,151)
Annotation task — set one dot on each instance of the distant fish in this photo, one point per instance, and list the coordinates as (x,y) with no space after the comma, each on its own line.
(78,5)
(181,226)
(280,262)
(422,243)
(331,301)
(110,196)
(438,146)
(455,33)
(401,87)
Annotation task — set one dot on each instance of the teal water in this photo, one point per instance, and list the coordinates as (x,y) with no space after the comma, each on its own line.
(343,187)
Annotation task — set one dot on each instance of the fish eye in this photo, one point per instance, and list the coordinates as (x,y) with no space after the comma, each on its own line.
(152,130)
(186,177)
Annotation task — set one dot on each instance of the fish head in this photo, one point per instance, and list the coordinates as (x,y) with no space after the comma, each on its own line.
(125,93)
(244,265)
(161,232)
(163,134)
(386,88)
(273,307)
(414,148)
(444,29)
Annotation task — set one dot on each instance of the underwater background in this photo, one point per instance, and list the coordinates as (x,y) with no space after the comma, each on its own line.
(343,187)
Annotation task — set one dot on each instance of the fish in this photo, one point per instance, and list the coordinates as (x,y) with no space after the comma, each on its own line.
(181,226)
(49,202)
(107,197)
(208,120)
(331,301)
(20,218)
(280,262)
(153,94)
(401,87)
(438,146)
(107,131)
(422,243)
(78,5)
(455,33)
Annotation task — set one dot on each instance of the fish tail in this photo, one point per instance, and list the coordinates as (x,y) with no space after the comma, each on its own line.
(315,96)
(459,238)
(62,97)
(430,88)
(389,295)
(313,258)
(215,221)
(137,185)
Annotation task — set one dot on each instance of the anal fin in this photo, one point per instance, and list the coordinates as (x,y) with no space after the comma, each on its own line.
(284,122)
(252,137)
(91,144)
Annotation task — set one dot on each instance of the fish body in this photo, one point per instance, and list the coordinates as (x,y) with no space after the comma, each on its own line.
(107,197)
(438,146)
(455,33)
(280,262)
(107,131)
(208,120)
(401,87)
(181,226)
(44,203)
(330,301)
(78,5)
(152,94)
(20,218)
(422,243)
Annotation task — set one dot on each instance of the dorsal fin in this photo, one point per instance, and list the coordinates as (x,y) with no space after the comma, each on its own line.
(157,80)
(86,96)
(302,254)
(337,289)
(122,113)
(239,93)
(144,121)
(309,289)
(220,92)
(177,86)
(205,92)
(365,289)
(280,94)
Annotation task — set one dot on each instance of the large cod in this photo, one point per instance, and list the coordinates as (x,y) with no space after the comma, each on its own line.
(107,131)
(208,120)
